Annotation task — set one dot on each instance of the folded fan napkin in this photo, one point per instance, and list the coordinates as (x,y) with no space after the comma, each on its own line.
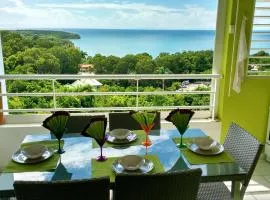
(47,165)
(101,169)
(138,141)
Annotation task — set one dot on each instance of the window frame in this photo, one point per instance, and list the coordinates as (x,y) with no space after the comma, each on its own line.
(249,75)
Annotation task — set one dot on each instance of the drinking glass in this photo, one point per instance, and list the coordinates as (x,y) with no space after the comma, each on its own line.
(56,123)
(101,157)
(96,129)
(147,130)
(180,118)
(147,122)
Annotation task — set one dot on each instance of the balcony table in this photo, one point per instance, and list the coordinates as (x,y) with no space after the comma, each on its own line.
(76,161)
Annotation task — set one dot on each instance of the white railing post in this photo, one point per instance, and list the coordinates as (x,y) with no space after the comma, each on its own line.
(3,81)
(163,84)
(137,96)
(214,98)
(54,94)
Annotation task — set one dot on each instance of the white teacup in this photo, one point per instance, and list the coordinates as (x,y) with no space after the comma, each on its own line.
(34,151)
(205,143)
(131,162)
(120,133)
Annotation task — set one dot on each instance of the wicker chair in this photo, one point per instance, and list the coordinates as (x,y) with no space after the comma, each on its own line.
(246,151)
(76,123)
(166,186)
(124,120)
(94,189)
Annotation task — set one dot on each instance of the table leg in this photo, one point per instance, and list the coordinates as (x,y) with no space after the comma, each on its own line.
(235,193)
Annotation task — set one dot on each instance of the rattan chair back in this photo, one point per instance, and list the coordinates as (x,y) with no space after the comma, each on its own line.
(245,148)
(76,123)
(124,120)
(94,189)
(173,186)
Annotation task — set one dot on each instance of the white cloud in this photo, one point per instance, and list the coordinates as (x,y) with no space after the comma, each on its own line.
(17,3)
(105,15)
(20,15)
(112,6)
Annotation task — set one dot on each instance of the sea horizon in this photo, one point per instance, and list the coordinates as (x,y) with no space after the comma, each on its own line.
(120,42)
(65,29)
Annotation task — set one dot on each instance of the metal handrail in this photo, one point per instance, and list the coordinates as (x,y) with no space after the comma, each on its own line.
(62,94)
(107,109)
(108,76)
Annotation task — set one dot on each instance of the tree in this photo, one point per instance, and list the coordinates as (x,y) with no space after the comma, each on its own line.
(126,65)
(69,59)
(145,65)
(35,60)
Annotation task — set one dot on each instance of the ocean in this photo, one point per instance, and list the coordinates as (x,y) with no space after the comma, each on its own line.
(122,42)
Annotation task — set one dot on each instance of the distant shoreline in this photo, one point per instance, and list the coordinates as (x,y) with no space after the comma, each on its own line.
(56,33)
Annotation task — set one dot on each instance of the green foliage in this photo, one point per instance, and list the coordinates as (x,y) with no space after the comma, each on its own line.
(45,52)
(39,54)
(264,61)
(59,34)
(178,63)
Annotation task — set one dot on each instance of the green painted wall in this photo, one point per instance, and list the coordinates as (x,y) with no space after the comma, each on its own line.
(249,108)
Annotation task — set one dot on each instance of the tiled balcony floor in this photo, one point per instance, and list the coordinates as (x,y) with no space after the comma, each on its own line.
(259,186)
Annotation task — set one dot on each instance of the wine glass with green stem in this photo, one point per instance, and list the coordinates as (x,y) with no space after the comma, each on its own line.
(56,123)
(180,119)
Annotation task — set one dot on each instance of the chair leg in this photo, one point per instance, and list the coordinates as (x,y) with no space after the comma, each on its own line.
(235,192)
(242,192)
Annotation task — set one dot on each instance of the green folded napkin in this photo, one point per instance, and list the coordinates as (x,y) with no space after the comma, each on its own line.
(47,165)
(197,159)
(140,138)
(101,169)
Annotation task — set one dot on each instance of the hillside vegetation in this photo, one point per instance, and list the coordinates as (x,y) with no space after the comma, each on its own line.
(35,52)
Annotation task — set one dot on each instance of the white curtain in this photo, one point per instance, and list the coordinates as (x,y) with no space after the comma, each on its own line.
(242,56)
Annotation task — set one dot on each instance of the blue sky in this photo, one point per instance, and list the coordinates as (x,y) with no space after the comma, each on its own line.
(120,14)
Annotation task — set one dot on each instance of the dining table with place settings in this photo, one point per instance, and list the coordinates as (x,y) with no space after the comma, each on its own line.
(79,160)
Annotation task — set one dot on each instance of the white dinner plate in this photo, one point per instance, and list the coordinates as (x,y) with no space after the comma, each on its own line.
(19,157)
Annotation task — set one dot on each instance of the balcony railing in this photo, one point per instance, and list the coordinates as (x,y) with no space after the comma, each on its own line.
(135,77)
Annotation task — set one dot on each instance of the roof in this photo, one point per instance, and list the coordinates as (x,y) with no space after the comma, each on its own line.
(86,65)
(83,82)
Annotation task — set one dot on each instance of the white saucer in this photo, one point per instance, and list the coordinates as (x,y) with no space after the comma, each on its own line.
(213,151)
(19,157)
